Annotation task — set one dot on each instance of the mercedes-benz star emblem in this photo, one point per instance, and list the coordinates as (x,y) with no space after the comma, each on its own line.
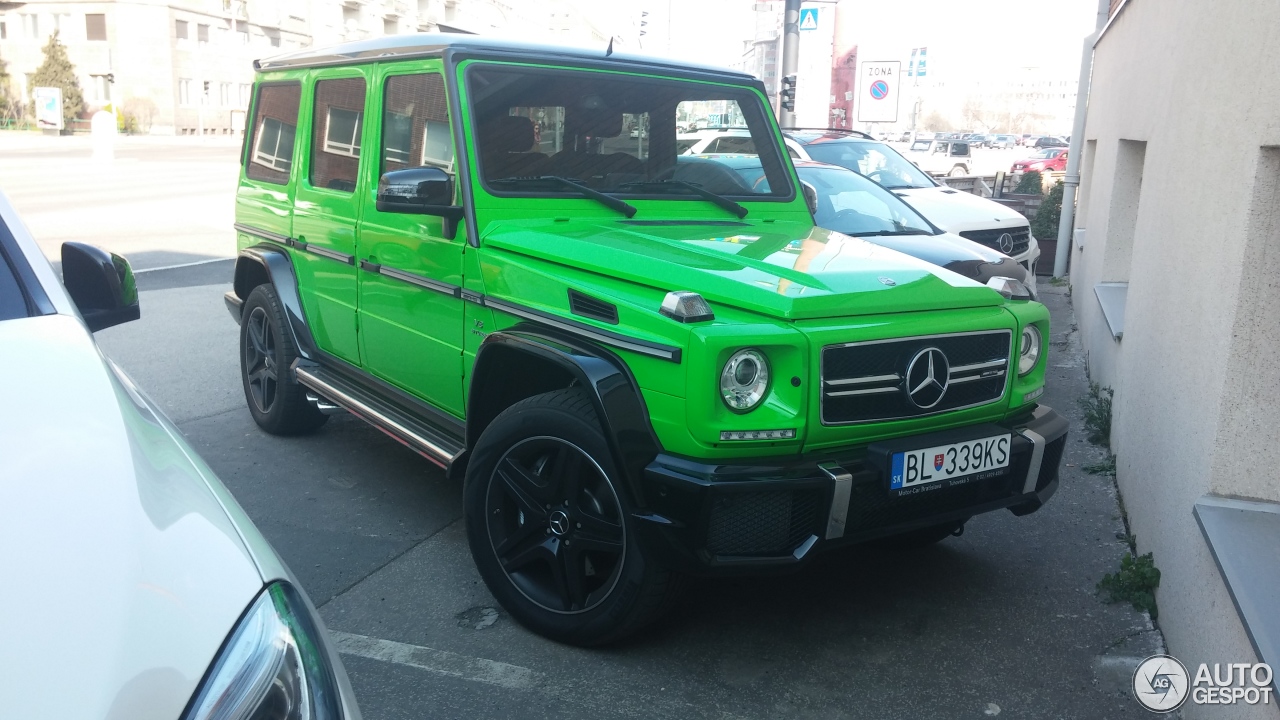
(1006,243)
(928,374)
(559,522)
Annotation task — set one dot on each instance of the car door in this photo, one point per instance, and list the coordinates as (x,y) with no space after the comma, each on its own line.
(263,199)
(326,208)
(411,311)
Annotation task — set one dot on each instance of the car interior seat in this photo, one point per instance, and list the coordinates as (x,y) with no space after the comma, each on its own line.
(506,147)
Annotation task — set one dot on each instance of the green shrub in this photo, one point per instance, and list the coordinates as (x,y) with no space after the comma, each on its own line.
(1135,583)
(1045,224)
(1097,414)
(1030,184)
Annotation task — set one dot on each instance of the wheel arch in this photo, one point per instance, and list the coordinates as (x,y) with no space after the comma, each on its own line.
(550,360)
(268,264)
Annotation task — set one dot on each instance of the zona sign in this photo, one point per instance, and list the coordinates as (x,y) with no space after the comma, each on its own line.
(879,101)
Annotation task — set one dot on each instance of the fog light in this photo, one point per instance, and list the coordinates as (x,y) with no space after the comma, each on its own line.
(789,434)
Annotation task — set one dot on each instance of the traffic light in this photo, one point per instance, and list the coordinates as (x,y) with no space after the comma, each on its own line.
(788,93)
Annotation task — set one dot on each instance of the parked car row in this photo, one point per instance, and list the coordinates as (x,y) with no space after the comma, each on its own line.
(1046,160)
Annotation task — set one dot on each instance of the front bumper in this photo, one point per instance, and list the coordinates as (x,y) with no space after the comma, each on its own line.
(752,517)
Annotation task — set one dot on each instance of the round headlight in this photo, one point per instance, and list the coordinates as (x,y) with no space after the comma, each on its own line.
(1030,353)
(744,380)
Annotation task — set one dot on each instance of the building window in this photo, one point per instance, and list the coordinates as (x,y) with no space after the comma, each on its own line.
(275,124)
(389,26)
(224,94)
(100,89)
(342,132)
(4,31)
(180,29)
(244,94)
(62,24)
(204,92)
(202,34)
(95,26)
(30,25)
(242,30)
(184,91)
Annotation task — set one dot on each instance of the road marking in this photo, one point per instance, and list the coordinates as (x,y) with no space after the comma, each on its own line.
(441,662)
(181,265)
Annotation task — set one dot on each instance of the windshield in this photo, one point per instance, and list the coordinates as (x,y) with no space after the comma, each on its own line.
(1046,154)
(610,132)
(872,159)
(853,205)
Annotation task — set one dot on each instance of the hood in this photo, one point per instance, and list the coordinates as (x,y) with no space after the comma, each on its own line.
(125,573)
(957,212)
(956,254)
(787,270)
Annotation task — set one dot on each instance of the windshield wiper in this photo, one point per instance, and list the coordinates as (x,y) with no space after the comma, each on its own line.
(889,233)
(608,201)
(707,195)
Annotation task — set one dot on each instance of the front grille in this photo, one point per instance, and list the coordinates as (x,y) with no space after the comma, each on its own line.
(865,382)
(762,523)
(1021,238)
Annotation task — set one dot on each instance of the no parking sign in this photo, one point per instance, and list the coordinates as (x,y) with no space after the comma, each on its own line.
(878,99)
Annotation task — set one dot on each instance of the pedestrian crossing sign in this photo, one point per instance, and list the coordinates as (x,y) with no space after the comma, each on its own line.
(809,18)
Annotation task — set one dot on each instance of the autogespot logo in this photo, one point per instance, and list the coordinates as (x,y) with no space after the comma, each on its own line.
(1160,683)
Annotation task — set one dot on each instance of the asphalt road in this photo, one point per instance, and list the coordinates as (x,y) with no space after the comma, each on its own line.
(1004,620)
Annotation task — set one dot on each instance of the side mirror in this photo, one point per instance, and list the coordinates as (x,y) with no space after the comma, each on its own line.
(810,197)
(100,284)
(420,191)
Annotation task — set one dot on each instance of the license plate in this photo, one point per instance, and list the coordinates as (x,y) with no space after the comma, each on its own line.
(953,464)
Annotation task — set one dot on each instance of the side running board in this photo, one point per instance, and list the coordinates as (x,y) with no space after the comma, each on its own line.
(403,427)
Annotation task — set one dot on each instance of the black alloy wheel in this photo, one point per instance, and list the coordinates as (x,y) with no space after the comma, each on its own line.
(551,527)
(259,360)
(555,524)
(276,401)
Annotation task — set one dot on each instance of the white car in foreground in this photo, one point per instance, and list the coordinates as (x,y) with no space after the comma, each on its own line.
(135,587)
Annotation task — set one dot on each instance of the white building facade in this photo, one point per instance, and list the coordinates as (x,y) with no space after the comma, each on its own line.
(1175,276)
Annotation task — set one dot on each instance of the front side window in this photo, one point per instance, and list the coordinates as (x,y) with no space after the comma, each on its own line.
(415,123)
(275,122)
(614,133)
(336,128)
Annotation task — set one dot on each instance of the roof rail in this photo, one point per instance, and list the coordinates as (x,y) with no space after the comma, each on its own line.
(847,131)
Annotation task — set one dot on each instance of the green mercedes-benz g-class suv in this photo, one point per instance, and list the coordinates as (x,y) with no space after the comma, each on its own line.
(641,365)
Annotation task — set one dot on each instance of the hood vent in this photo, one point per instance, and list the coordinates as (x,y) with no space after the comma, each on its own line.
(590,307)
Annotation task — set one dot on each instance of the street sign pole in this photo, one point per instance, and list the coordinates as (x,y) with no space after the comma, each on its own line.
(790,53)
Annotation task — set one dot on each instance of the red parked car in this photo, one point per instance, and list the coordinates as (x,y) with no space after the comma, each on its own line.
(1046,160)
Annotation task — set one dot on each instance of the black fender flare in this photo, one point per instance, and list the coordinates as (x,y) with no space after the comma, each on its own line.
(266,263)
(624,418)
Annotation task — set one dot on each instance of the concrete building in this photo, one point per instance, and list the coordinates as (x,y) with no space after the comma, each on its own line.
(186,66)
(1175,275)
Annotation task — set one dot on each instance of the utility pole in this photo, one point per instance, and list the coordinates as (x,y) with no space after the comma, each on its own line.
(790,53)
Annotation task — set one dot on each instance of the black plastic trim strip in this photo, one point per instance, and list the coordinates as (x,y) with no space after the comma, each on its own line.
(607,337)
(296,244)
(423,282)
(33,293)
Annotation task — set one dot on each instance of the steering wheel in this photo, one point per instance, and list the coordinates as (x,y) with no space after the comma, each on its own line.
(852,218)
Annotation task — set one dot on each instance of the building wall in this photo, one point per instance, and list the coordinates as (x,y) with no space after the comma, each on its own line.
(1197,237)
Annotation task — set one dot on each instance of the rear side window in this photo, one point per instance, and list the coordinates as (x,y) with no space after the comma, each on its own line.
(415,123)
(336,129)
(275,125)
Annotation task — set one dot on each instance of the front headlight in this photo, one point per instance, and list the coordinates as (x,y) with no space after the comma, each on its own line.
(744,380)
(272,668)
(1030,351)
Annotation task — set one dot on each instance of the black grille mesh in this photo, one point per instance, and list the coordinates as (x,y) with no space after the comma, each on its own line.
(991,238)
(886,358)
(761,523)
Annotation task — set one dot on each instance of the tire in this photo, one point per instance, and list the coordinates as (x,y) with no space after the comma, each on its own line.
(957,171)
(550,527)
(276,401)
